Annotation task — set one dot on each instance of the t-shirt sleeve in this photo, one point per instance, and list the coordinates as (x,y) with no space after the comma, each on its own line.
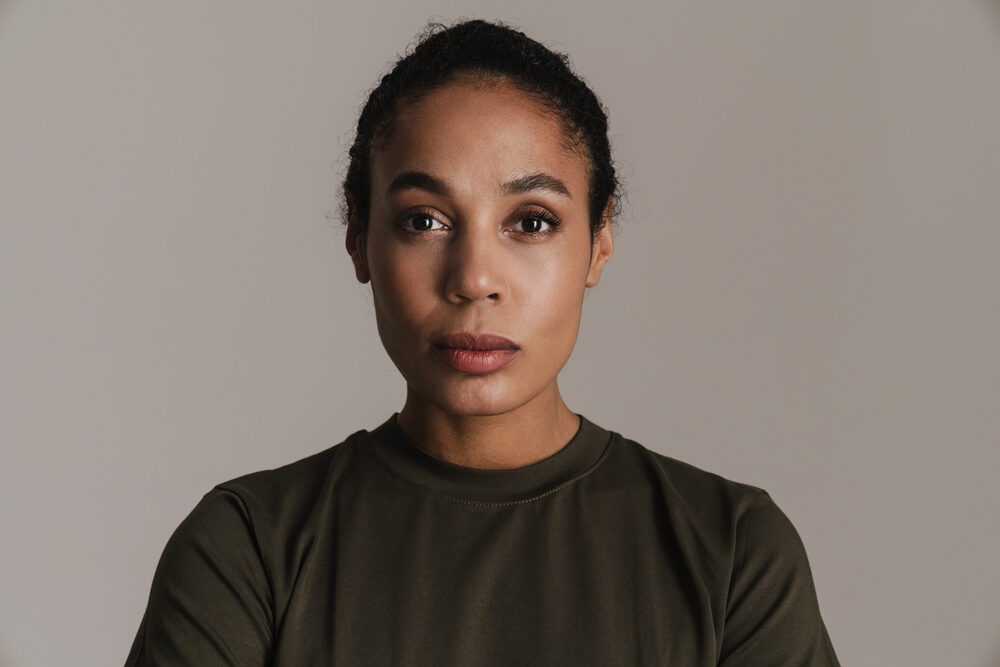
(210,602)
(772,615)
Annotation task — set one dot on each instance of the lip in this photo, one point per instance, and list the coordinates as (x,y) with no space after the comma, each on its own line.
(475,354)
(472,341)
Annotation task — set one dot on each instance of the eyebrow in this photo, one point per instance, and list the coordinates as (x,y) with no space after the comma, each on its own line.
(536,181)
(421,180)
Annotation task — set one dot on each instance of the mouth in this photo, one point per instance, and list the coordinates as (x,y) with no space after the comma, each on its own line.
(476,342)
(475,354)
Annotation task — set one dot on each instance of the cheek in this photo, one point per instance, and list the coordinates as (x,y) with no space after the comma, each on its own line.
(402,282)
(555,289)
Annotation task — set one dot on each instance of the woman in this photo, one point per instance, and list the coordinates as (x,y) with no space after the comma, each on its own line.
(485,523)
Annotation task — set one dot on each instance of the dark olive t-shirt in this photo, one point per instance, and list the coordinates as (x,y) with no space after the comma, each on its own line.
(374,552)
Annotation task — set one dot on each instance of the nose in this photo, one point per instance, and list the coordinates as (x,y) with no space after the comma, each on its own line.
(475,268)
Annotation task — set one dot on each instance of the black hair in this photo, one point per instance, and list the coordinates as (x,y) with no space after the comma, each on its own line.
(488,50)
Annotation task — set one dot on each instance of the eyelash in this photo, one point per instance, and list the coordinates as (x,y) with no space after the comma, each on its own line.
(532,214)
(548,218)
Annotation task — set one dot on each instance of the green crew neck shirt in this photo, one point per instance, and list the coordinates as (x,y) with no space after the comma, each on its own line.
(375,552)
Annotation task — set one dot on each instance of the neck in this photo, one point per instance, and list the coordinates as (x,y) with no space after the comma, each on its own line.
(525,435)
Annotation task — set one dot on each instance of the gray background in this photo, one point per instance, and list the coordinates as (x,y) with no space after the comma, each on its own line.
(805,294)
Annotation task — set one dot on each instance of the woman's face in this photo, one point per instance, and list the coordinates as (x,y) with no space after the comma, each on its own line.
(478,225)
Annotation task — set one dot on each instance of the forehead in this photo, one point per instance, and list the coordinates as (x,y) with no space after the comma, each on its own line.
(472,131)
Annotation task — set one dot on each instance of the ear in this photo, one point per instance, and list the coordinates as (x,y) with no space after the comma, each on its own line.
(355,243)
(602,248)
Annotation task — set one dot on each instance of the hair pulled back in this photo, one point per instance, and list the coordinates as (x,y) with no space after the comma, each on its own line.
(488,50)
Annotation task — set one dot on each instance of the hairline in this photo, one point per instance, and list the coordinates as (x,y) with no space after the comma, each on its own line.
(573,137)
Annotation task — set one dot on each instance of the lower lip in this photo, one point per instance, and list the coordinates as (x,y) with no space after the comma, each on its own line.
(475,362)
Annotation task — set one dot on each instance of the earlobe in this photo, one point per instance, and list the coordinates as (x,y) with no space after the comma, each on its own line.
(355,243)
(602,248)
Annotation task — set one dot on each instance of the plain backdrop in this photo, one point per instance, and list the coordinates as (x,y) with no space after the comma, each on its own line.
(805,294)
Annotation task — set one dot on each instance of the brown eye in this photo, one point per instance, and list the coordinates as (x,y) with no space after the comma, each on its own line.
(536,225)
(422,222)
(532,225)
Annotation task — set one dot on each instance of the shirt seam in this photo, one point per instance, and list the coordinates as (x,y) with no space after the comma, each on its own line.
(259,551)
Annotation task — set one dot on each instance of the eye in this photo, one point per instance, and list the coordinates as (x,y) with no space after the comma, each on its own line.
(533,225)
(536,223)
(421,222)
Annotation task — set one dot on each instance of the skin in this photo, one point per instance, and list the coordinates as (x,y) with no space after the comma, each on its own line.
(475,268)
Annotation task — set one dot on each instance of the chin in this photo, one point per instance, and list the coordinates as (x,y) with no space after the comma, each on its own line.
(477,406)
(474,397)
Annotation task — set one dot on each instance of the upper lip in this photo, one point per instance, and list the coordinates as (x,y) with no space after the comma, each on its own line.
(472,341)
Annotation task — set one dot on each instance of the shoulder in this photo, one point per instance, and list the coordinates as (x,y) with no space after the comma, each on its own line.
(736,526)
(700,494)
(296,484)
(221,580)
(751,551)
(756,520)
(266,511)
